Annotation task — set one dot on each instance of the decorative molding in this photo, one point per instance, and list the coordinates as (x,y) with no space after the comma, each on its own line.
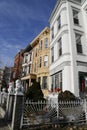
(78,31)
(53,42)
(59,13)
(65,54)
(57,6)
(60,67)
(80,63)
(78,2)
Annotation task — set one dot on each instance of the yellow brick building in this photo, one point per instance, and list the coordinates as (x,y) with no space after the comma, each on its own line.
(39,49)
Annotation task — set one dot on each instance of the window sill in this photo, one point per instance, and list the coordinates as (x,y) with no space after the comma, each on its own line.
(81,54)
(77,25)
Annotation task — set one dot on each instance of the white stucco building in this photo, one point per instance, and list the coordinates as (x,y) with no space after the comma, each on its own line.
(68,68)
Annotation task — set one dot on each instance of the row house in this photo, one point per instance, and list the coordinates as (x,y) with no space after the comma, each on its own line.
(17,65)
(1,77)
(68,46)
(36,61)
(5,77)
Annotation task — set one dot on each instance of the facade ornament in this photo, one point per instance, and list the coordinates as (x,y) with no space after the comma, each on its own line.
(19,88)
(11,88)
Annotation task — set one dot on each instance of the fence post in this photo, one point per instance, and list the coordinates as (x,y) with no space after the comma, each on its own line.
(10,101)
(18,104)
(85,107)
(2,96)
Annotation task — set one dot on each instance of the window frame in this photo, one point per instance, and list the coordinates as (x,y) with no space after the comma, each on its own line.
(59,22)
(40,62)
(52,32)
(60,46)
(41,44)
(75,16)
(46,42)
(44,84)
(56,81)
(46,62)
(78,43)
(52,54)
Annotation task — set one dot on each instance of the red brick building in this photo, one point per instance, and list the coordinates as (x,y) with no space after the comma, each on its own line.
(17,65)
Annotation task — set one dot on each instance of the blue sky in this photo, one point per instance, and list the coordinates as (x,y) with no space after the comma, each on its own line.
(20,22)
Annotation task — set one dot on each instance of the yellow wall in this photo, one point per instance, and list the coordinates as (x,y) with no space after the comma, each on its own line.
(43,71)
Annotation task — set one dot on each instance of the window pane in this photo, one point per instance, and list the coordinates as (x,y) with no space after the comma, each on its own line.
(57,81)
(78,43)
(41,45)
(60,46)
(45,60)
(52,32)
(52,54)
(44,84)
(59,23)
(46,43)
(40,61)
(75,17)
(52,83)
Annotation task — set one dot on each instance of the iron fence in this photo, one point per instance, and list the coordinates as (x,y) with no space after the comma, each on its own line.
(49,112)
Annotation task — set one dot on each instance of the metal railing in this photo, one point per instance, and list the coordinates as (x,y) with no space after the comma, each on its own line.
(37,113)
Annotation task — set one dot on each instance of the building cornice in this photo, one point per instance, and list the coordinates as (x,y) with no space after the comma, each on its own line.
(80,63)
(60,67)
(55,8)
(59,2)
(36,39)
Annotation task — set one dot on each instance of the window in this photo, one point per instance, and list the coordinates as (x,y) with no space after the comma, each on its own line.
(36,51)
(41,42)
(35,67)
(56,81)
(78,43)
(44,82)
(60,46)
(46,43)
(25,59)
(75,17)
(60,80)
(52,54)
(29,68)
(40,61)
(30,56)
(46,60)
(52,82)
(25,70)
(39,79)
(52,32)
(59,23)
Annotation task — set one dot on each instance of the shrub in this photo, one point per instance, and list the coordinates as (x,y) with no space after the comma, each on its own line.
(34,92)
(66,96)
